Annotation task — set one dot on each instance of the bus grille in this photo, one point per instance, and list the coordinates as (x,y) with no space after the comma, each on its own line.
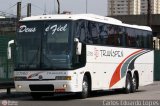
(41,87)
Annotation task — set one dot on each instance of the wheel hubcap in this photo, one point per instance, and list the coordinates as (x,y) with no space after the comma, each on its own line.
(134,82)
(128,85)
(85,86)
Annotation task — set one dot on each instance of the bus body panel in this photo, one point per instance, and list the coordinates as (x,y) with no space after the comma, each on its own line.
(105,61)
(102,63)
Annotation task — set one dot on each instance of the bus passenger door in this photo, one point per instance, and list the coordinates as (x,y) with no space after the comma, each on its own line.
(97,76)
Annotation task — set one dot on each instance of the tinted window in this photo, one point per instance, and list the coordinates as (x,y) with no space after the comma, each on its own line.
(94,32)
(131,37)
(103,33)
(106,34)
(111,34)
(81,30)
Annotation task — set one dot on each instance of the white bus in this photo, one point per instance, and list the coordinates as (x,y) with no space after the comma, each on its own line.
(81,53)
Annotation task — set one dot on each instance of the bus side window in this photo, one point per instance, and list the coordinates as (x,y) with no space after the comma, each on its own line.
(131,37)
(137,33)
(117,36)
(123,37)
(150,40)
(103,34)
(89,38)
(81,30)
(146,39)
(93,32)
(111,32)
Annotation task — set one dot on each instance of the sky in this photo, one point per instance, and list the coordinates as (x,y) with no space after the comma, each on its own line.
(39,6)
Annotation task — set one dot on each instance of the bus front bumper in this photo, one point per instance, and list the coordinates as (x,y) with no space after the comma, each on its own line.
(46,86)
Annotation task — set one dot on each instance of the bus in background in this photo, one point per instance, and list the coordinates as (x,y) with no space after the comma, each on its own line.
(81,53)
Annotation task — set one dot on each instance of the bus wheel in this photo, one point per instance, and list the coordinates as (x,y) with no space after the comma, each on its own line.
(85,88)
(128,85)
(36,96)
(134,83)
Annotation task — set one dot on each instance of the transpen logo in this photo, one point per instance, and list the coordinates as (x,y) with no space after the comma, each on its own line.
(34,75)
(96,53)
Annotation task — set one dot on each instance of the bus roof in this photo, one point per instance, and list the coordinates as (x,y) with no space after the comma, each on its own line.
(91,17)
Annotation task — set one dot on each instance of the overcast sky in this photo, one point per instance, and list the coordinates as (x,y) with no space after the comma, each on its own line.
(38,6)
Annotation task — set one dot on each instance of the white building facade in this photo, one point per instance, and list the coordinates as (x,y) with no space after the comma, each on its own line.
(132,7)
(155,6)
(123,7)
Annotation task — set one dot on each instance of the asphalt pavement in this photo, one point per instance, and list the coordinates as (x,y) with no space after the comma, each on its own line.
(146,96)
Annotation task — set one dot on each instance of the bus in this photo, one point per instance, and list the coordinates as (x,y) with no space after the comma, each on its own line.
(81,53)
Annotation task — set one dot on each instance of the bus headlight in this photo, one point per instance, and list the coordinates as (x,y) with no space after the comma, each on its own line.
(64,85)
(63,78)
(19,86)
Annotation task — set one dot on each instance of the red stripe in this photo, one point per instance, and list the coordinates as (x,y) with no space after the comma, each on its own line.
(116,75)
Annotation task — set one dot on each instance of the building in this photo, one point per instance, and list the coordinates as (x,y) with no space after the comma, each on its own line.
(7,25)
(123,7)
(155,6)
(132,7)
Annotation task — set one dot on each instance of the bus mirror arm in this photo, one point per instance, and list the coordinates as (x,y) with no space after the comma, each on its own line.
(9,48)
(78,46)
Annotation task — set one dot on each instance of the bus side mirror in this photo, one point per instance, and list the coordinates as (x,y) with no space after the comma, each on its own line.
(78,46)
(9,49)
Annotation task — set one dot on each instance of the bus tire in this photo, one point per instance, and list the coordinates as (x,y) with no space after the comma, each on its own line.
(85,88)
(128,85)
(134,83)
(36,96)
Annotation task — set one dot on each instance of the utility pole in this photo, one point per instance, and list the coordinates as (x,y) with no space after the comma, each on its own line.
(129,7)
(86,6)
(58,6)
(149,13)
(18,11)
(111,1)
(28,9)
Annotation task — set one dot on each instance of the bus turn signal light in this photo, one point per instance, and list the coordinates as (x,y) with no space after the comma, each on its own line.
(63,78)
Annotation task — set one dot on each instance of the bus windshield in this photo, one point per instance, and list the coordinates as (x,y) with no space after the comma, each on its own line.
(43,45)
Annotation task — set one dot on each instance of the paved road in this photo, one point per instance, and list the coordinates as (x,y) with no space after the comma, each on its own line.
(146,96)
